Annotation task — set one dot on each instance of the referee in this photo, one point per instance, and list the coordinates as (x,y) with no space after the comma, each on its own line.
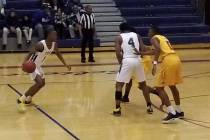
(87,32)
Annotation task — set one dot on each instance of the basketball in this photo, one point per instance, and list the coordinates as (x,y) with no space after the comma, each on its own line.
(29,66)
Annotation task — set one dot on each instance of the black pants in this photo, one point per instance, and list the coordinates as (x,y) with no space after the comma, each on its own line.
(60,30)
(88,39)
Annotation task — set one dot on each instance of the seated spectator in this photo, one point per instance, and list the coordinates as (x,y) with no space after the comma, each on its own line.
(73,22)
(12,22)
(2,5)
(60,23)
(42,20)
(26,25)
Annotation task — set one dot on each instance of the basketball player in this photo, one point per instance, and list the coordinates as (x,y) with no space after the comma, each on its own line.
(41,50)
(169,73)
(128,45)
(147,64)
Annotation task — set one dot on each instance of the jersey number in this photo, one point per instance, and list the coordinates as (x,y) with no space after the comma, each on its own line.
(131,42)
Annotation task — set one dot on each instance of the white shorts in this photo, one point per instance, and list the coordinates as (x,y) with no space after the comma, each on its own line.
(38,71)
(131,67)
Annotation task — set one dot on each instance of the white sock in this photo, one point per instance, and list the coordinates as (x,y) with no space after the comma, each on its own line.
(28,98)
(171,110)
(22,98)
(178,108)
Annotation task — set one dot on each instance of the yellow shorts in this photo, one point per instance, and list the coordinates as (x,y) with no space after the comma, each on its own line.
(147,63)
(169,72)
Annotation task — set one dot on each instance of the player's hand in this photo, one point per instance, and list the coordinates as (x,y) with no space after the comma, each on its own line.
(154,69)
(68,67)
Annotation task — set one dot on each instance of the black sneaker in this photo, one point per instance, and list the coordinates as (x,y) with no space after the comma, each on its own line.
(91,60)
(28,42)
(149,109)
(4,47)
(169,119)
(180,115)
(117,112)
(19,46)
(83,61)
(125,100)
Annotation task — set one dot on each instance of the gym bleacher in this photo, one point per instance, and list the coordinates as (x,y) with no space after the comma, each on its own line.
(29,7)
(177,19)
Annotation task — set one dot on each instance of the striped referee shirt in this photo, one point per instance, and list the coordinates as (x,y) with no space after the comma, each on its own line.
(87,21)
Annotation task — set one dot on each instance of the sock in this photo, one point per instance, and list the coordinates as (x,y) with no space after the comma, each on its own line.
(117,106)
(22,98)
(178,108)
(171,110)
(28,99)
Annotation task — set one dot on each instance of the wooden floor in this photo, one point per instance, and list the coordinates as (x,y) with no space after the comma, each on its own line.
(77,105)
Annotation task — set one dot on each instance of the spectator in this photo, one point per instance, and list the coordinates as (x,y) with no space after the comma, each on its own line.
(2,5)
(51,3)
(87,32)
(73,22)
(27,28)
(42,20)
(71,3)
(12,22)
(60,23)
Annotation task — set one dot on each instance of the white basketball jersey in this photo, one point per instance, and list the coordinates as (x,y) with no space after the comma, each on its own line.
(129,42)
(39,57)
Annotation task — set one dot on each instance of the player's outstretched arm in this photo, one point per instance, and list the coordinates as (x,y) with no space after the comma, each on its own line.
(37,48)
(118,42)
(60,57)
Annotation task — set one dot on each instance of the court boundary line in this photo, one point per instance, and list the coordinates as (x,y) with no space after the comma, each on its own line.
(46,114)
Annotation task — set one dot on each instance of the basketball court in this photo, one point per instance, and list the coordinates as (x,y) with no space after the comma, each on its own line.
(78,104)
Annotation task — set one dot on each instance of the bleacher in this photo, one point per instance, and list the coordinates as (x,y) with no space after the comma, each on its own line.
(29,7)
(176,18)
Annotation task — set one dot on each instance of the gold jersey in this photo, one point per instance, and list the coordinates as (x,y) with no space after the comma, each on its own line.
(165,46)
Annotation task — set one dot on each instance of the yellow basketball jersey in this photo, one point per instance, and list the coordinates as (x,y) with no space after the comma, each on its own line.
(165,46)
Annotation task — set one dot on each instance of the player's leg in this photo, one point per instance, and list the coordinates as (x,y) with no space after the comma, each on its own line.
(176,96)
(145,90)
(39,83)
(4,37)
(127,91)
(123,76)
(26,98)
(141,78)
(171,112)
(19,37)
(83,45)
(118,97)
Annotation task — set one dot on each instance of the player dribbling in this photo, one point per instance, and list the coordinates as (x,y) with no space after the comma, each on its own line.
(41,50)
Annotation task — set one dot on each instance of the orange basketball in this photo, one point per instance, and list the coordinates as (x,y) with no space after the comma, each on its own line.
(29,66)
